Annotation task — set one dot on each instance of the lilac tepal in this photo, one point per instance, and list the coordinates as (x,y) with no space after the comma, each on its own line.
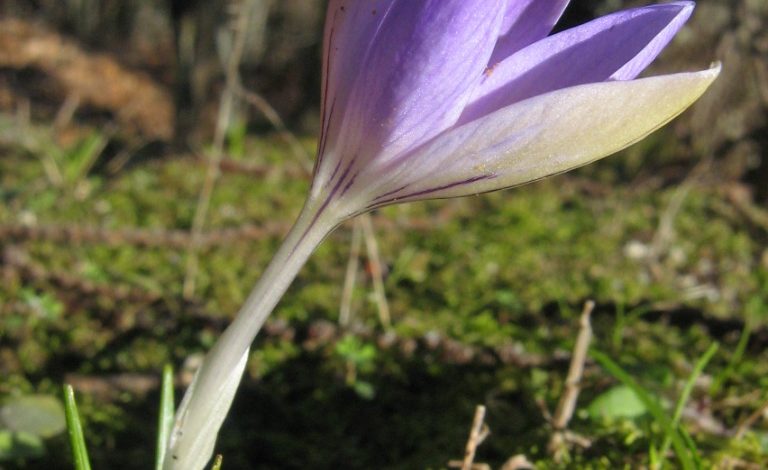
(441,98)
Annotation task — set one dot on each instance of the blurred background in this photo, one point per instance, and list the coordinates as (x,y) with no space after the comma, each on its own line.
(153,153)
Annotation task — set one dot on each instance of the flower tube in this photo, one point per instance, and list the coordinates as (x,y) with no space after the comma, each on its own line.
(425,99)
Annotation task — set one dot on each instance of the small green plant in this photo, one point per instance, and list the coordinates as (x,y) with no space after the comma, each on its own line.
(165,417)
(619,402)
(236,135)
(25,421)
(75,430)
(359,358)
(674,435)
(164,425)
(76,161)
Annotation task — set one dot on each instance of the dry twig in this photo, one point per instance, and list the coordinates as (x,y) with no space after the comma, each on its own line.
(377,274)
(517,462)
(345,310)
(740,198)
(665,232)
(77,233)
(567,404)
(477,435)
(226,106)
(258,102)
(147,237)
(751,420)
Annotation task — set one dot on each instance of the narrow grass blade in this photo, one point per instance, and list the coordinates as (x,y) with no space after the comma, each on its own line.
(217,462)
(653,456)
(623,318)
(692,446)
(165,418)
(736,358)
(75,431)
(653,406)
(685,395)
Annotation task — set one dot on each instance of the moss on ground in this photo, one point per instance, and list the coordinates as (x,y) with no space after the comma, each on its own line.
(672,264)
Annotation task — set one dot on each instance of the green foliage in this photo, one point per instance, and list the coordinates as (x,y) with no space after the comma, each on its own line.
(359,360)
(685,395)
(684,448)
(236,139)
(616,403)
(77,160)
(41,415)
(75,430)
(20,445)
(25,421)
(165,416)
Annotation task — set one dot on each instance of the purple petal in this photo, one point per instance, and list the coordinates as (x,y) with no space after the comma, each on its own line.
(614,47)
(350,28)
(525,22)
(535,138)
(399,80)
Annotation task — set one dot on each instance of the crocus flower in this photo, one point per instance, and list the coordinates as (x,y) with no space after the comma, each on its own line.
(442,98)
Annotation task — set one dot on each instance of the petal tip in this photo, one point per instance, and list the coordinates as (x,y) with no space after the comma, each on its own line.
(684,9)
(709,75)
(683,4)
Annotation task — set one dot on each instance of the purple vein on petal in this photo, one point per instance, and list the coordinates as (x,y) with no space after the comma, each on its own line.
(424,192)
(327,201)
(325,113)
(337,86)
(335,171)
(350,183)
(324,137)
(389,193)
(326,74)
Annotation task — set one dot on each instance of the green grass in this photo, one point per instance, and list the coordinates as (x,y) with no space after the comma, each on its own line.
(77,443)
(165,416)
(507,271)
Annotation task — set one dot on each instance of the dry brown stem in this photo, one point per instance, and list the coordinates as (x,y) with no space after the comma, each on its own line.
(179,239)
(377,274)
(517,462)
(226,108)
(567,404)
(750,421)
(353,264)
(477,434)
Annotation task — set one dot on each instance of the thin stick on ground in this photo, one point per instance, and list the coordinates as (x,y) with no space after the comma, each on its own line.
(67,111)
(353,264)
(377,273)
(271,114)
(665,232)
(517,462)
(567,404)
(477,435)
(21,127)
(226,106)
(747,424)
